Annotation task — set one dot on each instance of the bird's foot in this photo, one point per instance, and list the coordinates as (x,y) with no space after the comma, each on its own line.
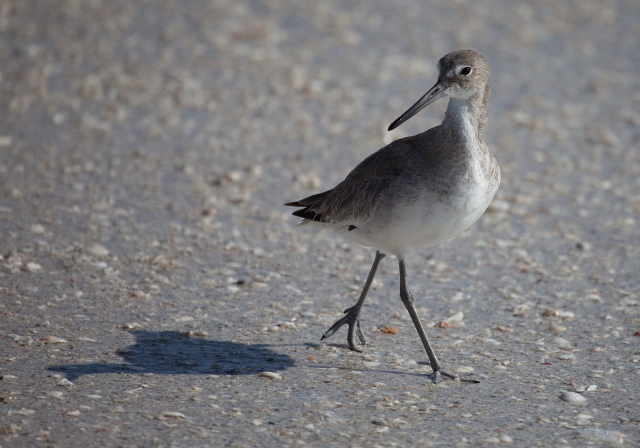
(438,374)
(351,318)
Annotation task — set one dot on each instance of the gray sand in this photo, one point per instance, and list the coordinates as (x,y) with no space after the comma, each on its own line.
(155,292)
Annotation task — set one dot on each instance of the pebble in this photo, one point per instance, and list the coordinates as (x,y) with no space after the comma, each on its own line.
(74,413)
(33,267)
(557,329)
(53,340)
(591,388)
(25,411)
(98,264)
(272,375)
(506,439)
(8,377)
(65,382)
(560,342)
(233,176)
(197,333)
(172,414)
(457,317)
(38,228)
(22,340)
(572,397)
(56,394)
(98,250)
(583,419)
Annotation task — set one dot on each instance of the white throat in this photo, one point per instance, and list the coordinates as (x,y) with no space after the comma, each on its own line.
(460,120)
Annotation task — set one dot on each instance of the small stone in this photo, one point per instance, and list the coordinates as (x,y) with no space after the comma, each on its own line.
(22,340)
(233,176)
(8,377)
(56,394)
(557,329)
(98,250)
(33,267)
(24,411)
(131,326)
(173,415)
(560,342)
(84,339)
(74,413)
(272,375)
(457,317)
(65,382)
(506,439)
(53,340)
(583,419)
(572,397)
(38,228)
(594,298)
(197,334)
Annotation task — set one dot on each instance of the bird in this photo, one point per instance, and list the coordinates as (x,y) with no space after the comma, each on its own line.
(418,191)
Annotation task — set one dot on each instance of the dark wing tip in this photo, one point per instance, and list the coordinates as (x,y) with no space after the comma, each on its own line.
(305,213)
(294,204)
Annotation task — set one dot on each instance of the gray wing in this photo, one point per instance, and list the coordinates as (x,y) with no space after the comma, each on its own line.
(354,197)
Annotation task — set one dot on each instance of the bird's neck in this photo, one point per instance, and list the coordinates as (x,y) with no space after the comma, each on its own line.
(465,118)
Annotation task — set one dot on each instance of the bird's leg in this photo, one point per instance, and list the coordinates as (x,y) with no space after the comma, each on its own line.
(352,314)
(407,299)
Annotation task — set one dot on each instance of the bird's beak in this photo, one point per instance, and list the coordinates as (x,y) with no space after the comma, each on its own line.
(436,92)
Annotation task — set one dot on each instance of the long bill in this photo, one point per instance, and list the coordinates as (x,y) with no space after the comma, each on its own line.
(435,93)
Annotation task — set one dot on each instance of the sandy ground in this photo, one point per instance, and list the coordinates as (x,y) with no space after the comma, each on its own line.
(155,292)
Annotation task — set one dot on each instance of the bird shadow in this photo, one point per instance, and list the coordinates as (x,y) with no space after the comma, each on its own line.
(172,353)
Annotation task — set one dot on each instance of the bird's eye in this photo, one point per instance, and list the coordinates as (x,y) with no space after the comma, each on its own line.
(465,71)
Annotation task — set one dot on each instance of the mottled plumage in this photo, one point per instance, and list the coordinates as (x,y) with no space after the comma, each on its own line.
(420,190)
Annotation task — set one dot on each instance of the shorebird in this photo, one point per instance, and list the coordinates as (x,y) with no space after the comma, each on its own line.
(418,191)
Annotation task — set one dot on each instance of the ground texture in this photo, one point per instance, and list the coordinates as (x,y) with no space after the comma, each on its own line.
(155,292)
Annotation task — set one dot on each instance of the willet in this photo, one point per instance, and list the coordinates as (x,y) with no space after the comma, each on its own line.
(418,191)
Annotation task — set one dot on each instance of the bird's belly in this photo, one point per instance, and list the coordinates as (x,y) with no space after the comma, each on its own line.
(428,221)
